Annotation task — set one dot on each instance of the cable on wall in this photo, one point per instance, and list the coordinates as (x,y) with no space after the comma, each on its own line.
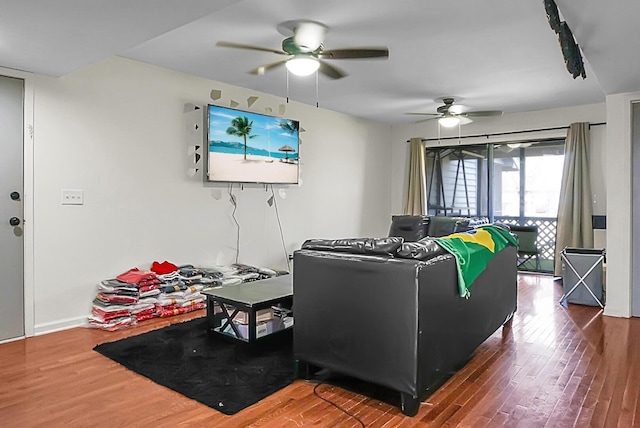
(284,247)
(287,86)
(234,202)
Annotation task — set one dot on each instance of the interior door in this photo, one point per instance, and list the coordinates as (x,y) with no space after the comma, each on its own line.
(11,208)
(635,210)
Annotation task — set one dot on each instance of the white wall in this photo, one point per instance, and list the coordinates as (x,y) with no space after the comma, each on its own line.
(117,130)
(619,199)
(593,113)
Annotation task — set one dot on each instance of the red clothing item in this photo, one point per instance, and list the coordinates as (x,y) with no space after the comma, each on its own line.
(109,315)
(135,276)
(116,298)
(112,325)
(163,268)
(149,287)
(143,282)
(171,312)
(143,317)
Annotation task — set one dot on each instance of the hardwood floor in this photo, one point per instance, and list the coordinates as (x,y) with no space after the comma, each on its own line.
(555,367)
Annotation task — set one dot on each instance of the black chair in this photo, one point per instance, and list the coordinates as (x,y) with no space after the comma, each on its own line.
(527,244)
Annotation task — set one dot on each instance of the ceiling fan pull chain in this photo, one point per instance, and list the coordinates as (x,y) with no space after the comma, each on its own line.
(317,105)
(287,86)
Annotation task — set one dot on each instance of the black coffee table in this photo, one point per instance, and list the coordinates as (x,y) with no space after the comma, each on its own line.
(252,310)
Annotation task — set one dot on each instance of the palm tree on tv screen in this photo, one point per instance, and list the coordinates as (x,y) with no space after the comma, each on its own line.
(290,126)
(241,127)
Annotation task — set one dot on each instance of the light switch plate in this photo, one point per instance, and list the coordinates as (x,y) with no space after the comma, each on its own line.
(72,197)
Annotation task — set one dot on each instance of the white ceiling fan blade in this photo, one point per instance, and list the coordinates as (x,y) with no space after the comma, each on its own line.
(428,119)
(262,69)
(464,120)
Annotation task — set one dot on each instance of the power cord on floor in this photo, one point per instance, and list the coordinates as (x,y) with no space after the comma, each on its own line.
(315,392)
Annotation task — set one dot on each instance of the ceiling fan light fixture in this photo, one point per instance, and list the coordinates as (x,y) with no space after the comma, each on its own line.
(302,65)
(449,121)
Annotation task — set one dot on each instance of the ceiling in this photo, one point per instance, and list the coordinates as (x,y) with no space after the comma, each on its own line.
(489,55)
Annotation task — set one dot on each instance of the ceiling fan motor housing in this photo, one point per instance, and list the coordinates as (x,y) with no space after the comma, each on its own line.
(448,102)
(290,46)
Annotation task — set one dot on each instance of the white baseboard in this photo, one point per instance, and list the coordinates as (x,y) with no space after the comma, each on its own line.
(51,327)
(13,339)
(615,313)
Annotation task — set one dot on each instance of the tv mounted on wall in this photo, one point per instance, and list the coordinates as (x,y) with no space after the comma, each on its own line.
(247,147)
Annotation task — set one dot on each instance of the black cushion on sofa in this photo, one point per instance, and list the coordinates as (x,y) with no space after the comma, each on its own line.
(378,246)
(409,227)
(443,226)
(424,249)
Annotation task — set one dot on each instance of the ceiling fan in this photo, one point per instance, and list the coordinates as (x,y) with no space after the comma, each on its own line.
(305,52)
(450,115)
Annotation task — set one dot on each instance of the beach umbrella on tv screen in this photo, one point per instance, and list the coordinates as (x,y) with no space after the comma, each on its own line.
(286,149)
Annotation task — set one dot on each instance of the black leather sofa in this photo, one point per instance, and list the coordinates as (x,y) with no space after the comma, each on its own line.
(390,313)
(415,227)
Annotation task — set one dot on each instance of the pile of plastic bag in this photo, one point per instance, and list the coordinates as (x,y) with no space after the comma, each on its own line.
(162,291)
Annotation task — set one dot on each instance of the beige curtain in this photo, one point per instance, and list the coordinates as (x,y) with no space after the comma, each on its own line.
(416,188)
(574,210)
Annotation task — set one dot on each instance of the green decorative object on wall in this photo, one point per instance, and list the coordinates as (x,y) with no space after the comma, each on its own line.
(571,52)
(552,15)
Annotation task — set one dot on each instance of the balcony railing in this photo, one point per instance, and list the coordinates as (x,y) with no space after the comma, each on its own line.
(546,241)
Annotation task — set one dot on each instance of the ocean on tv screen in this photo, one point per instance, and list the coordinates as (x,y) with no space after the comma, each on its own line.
(238,149)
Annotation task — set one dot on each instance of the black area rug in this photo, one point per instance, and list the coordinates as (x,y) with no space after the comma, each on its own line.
(227,376)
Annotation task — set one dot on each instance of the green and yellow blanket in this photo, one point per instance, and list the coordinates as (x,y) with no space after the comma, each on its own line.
(473,250)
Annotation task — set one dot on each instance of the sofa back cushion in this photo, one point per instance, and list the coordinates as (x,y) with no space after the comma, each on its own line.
(443,226)
(409,227)
(374,246)
(413,228)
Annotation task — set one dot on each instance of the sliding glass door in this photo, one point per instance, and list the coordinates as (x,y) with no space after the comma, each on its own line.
(513,183)
(455,181)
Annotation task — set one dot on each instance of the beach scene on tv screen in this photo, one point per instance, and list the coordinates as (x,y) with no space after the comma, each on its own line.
(251,147)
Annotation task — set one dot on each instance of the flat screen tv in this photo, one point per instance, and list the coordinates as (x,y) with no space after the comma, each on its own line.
(247,147)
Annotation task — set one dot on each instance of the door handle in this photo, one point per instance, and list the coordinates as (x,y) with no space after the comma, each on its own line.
(14,221)
(15,196)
